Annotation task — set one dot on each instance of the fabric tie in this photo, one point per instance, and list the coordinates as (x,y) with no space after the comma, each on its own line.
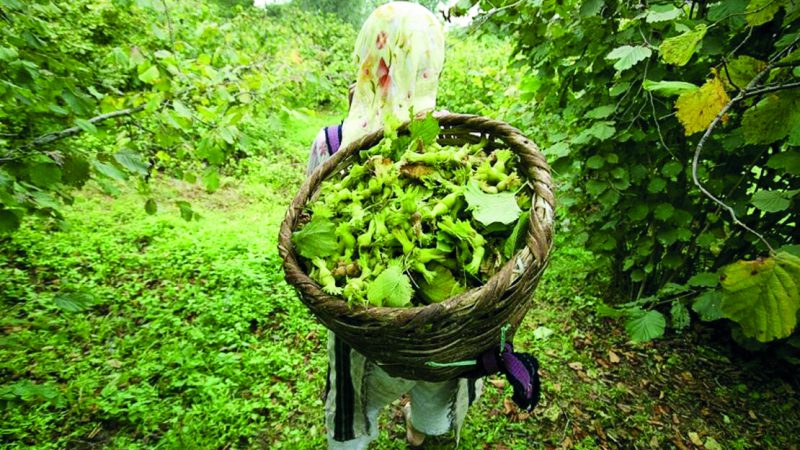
(520,369)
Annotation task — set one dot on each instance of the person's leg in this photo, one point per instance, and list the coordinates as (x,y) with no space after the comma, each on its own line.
(357,391)
(436,408)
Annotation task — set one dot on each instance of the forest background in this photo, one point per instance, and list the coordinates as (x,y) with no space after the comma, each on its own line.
(149,148)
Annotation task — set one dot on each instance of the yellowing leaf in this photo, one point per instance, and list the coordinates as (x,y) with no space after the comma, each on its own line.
(678,50)
(696,110)
(762,295)
(740,71)
(759,12)
(772,119)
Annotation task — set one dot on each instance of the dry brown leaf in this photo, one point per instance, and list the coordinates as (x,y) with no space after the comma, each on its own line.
(566,443)
(415,170)
(509,406)
(575,366)
(499,384)
(613,357)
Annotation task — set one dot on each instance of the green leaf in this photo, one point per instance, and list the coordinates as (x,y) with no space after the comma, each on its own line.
(704,279)
(442,287)
(186,210)
(391,288)
(762,295)
(601,112)
(602,130)
(151,75)
(638,212)
(679,314)
(730,10)
(74,170)
(557,150)
(628,56)
(596,187)
(663,211)
(671,169)
(181,109)
(74,301)
(132,162)
(643,326)
(86,126)
(8,53)
(9,221)
(656,185)
(590,7)
(772,201)
(708,306)
(662,13)
(773,119)
(759,12)
(426,130)
(44,175)
(491,208)
(150,206)
(787,161)
(739,71)
(211,179)
(678,50)
(109,171)
(517,235)
(316,239)
(669,88)
(595,162)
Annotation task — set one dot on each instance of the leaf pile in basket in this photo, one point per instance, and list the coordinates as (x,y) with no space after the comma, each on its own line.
(413,221)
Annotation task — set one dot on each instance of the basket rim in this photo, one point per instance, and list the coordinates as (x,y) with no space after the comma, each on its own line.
(311,293)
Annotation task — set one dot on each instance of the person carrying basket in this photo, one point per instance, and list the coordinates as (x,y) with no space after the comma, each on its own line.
(412,40)
(400,54)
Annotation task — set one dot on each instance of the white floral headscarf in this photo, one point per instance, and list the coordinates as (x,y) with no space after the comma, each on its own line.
(399,54)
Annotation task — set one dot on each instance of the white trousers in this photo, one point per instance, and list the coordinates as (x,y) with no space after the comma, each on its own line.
(358,389)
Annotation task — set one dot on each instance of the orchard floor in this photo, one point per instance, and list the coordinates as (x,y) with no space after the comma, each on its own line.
(190,338)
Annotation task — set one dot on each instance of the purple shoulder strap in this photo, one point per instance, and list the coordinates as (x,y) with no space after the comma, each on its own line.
(333,138)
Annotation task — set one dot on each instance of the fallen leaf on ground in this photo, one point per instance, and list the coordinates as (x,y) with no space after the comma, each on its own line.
(575,366)
(509,406)
(498,383)
(613,357)
(695,438)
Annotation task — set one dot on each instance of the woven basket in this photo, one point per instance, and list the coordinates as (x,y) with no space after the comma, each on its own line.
(404,341)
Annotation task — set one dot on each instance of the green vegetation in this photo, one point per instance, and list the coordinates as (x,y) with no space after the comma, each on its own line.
(149,149)
(674,126)
(440,213)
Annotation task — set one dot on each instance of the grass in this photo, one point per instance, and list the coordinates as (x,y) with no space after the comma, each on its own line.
(124,330)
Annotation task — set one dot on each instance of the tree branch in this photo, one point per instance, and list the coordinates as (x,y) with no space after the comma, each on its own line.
(56,135)
(702,142)
(771,88)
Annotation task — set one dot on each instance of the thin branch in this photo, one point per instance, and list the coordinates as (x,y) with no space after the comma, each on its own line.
(741,44)
(485,18)
(658,126)
(771,88)
(54,136)
(702,142)
(742,14)
(169,24)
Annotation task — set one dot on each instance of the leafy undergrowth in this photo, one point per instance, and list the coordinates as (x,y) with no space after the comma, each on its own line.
(123,330)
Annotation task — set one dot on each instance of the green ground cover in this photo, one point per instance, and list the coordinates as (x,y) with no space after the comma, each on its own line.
(190,338)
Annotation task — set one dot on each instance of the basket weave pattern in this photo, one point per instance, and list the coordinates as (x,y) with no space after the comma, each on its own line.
(404,340)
